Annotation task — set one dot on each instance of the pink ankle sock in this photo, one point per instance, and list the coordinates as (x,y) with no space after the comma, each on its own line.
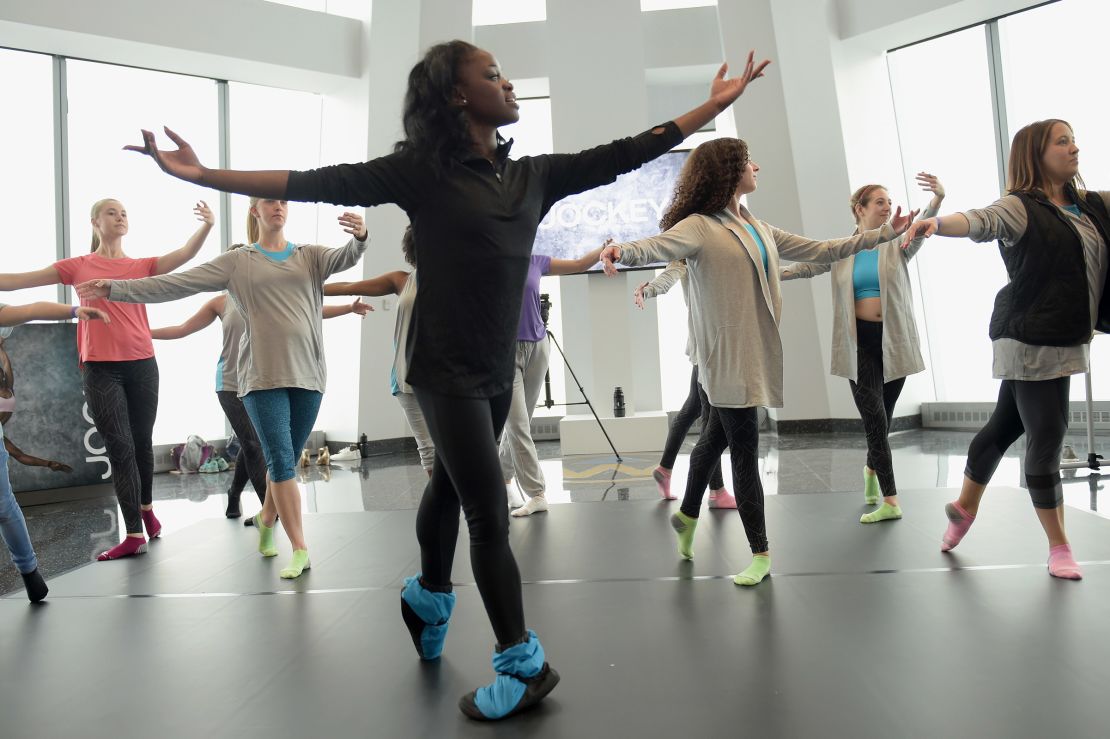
(959,521)
(1062,564)
(151,523)
(129,546)
(663,482)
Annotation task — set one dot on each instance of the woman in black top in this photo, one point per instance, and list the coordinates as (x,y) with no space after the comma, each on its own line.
(474,215)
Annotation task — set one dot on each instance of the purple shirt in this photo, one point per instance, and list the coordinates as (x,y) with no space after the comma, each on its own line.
(531,325)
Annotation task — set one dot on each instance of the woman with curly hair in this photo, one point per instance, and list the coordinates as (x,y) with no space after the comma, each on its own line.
(474,214)
(732,262)
(1053,236)
(875,344)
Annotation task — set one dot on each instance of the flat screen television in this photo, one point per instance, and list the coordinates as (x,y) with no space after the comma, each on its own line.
(626,210)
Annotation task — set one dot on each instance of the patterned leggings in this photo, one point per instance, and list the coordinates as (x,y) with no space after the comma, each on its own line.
(736,429)
(875,401)
(123,401)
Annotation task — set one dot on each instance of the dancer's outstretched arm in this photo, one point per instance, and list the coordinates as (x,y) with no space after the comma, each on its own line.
(176,258)
(13,315)
(203,318)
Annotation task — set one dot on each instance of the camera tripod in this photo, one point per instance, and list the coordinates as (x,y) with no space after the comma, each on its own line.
(548,402)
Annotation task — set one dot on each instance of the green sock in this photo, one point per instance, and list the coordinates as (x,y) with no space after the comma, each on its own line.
(886,512)
(757,570)
(871,493)
(684,526)
(299,564)
(265,537)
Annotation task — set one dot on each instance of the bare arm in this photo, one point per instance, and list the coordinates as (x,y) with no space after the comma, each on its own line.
(390,283)
(722,93)
(14,315)
(38,278)
(208,313)
(574,266)
(358,307)
(174,259)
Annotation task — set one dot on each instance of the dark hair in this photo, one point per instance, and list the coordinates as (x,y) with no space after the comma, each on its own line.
(408,249)
(708,180)
(434,126)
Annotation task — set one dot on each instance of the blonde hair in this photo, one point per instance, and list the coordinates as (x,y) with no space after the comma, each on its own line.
(93,214)
(1026,170)
(862,197)
(254,231)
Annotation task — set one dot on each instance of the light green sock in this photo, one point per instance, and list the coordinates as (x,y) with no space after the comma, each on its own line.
(871,493)
(886,512)
(265,537)
(684,526)
(757,570)
(299,564)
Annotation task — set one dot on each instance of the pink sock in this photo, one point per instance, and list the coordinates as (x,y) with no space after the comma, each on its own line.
(151,523)
(1062,564)
(959,521)
(129,546)
(663,482)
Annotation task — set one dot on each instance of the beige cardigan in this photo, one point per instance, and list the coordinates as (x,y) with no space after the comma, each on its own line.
(734,304)
(901,345)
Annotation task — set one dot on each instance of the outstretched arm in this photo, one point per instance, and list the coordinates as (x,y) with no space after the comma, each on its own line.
(208,277)
(929,183)
(38,278)
(14,315)
(358,307)
(801,249)
(804,270)
(208,313)
(391,283)
(574,266)
(174,259)
(683,240)
(722,93)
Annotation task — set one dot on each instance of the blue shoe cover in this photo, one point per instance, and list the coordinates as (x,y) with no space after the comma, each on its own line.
(426,614)
(523,680)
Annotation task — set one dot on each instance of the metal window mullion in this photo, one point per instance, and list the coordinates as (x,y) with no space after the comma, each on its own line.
(61,169)
(224,107)
(998,102)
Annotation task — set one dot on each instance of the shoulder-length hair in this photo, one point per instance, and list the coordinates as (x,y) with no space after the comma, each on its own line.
(708,181)
(436,128)
(1026,171)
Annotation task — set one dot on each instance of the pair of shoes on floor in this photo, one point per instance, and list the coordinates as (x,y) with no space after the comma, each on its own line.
(523,676)
(215,464)
(305,460)
(347,454)
(323,457)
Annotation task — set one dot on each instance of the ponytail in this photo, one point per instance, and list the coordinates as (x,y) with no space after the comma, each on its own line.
(254,232)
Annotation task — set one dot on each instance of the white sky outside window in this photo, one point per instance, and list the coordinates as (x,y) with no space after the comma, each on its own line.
(107,107)
(27,148)
(531,136)
(955,141)
(1038,87)
(496,12)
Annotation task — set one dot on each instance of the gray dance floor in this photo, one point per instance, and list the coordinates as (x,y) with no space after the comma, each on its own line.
(863,631)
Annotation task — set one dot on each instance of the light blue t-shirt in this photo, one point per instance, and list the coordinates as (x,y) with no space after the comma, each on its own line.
(277,256)
(865,274)
(759,243)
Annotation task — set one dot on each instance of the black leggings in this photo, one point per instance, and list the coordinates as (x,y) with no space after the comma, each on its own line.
(250,462)
(875,401)
(697,404)
(123,400)
(738,430)
(1039,409)
(467,472)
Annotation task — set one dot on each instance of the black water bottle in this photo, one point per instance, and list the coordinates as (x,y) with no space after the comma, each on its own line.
(618,403)
(363,446)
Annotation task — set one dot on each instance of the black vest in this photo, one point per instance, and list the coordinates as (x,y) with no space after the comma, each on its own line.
(1046,302)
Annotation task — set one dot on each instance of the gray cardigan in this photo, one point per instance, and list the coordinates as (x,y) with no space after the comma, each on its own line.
(901,345)
(734,304)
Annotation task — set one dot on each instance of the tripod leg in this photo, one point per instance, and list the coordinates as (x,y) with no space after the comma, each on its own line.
(587,398)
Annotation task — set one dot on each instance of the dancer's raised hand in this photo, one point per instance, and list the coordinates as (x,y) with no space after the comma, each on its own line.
(352,224)
(901,222)
(204,213)
(724,92)
(181,163)
(930,183)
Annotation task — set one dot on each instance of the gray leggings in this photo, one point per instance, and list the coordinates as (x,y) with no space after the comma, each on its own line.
(1038,409)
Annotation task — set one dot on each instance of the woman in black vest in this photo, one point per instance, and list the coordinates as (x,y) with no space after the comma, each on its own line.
(1053,236)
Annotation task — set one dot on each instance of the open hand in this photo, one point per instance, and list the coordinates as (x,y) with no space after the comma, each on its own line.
(901,222)
(92,290)
(930,183)
(181,163)
(724,92)
(360,308)
(920,230)
(204,213)
(352,224)
(638,296)
(92,314)
(610,255)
